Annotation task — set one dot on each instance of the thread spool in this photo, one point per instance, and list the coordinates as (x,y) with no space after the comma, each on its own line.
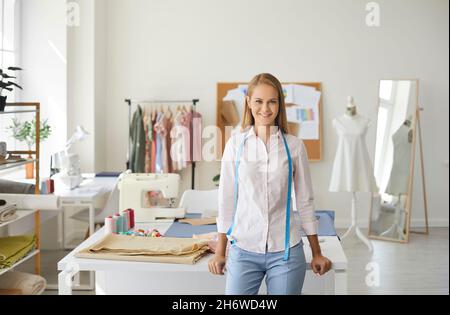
(127,216)
(124,217)
(129,219)
(119,223)
(132,218)
(115,223)
(110,225)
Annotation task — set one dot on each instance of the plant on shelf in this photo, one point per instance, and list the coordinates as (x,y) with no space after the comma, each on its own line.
(26,132)
(7,84)
(216,180)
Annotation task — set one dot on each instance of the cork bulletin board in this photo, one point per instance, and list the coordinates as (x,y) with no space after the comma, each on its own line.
(313,147)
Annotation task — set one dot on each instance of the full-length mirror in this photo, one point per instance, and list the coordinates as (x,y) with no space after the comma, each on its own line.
(394,160)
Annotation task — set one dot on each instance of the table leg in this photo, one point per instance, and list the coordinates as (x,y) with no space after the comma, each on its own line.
(65,283)
(61,229)
(91,219)
(340,282)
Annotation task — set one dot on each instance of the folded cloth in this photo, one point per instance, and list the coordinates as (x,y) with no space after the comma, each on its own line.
(8,213)
(147,249)
(13,249)
(27,283)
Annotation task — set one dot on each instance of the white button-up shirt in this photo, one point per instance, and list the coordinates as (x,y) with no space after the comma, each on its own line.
(260,219)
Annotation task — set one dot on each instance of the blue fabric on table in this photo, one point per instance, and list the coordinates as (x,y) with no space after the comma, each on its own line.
(185,230)
(108,174)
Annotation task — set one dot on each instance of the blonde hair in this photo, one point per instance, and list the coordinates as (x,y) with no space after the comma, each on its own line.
(268,79)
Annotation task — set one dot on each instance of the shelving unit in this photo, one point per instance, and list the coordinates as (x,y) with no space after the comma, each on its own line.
(28,108)
(16,164)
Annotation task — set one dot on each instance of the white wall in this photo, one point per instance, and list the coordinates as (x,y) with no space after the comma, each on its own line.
(81,81)
(181,49)
(43,58)
(86,83)
(100,85)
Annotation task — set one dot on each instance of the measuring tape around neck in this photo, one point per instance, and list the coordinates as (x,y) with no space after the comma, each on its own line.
(288,201)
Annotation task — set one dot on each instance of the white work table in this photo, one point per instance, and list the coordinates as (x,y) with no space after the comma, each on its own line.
(142,278)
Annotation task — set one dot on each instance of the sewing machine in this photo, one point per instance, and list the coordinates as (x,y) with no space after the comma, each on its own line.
(152,196)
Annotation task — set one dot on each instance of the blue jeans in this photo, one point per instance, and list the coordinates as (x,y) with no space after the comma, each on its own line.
(246,270)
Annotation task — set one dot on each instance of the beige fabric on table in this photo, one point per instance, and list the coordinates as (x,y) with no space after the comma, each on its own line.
(212,241)
(199,222)
(28,284)
(145,249)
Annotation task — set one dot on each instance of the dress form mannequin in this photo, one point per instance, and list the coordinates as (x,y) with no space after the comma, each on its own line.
(351,107)
(352,171)
(399,179)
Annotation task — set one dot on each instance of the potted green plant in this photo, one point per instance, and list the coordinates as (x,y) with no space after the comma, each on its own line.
(7,85)
(26,132)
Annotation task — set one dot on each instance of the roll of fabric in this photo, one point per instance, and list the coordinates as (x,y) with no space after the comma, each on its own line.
(28,284)
(8,213)
(11,187)
(13,249)
(32,202)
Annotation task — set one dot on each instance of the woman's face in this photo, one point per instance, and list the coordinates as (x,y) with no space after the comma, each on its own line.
(264,105)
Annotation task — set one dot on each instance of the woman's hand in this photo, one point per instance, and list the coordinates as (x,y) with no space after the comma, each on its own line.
(217,265)
(320,265)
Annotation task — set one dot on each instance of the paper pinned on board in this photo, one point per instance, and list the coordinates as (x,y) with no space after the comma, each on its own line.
(304,110)
(238,97)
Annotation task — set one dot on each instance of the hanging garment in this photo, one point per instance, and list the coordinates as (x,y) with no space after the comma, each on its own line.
(399,179)
(162,128)
(180,142)
(352,170)
(137,134)
(195,127)
(154,144)
(159,158)
(148,127)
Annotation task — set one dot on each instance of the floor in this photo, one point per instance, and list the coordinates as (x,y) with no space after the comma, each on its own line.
(420,267)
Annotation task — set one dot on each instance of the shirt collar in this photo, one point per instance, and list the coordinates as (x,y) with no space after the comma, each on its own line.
(252,133)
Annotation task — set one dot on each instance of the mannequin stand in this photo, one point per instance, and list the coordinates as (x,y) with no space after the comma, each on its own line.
(354,229)
(396,228)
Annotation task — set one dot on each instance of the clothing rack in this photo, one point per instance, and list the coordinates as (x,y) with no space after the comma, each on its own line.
(130,103)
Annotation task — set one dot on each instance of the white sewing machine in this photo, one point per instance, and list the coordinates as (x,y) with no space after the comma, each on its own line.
(151,196)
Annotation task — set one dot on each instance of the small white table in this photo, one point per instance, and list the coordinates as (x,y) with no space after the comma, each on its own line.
(86,195)
(140,278)
(91,189)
